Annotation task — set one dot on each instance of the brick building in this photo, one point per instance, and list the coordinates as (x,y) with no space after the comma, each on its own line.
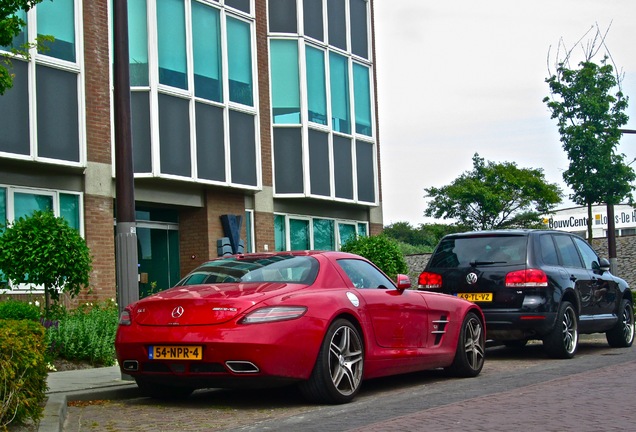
(261,109)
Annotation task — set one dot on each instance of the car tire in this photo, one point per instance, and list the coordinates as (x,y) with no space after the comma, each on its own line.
(622,334)
(337,374)
(162,391)
(563,340)
(471,348)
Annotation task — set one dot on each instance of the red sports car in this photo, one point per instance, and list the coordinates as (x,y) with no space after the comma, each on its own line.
(323,320)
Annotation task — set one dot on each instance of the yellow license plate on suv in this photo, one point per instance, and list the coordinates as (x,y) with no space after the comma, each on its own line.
(476,297)
(175,352)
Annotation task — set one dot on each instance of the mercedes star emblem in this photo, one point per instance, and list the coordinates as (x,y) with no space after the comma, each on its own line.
(177,312)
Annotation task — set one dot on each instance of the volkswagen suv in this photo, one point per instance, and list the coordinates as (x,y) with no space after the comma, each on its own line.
(534,284)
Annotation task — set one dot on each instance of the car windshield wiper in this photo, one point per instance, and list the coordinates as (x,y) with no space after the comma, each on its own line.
(474,263)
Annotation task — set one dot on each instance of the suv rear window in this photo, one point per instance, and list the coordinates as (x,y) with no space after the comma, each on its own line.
(480,250)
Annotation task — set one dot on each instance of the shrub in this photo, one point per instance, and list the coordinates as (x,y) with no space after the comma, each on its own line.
(22,371)
(85,334)
(18,310)
(381,251)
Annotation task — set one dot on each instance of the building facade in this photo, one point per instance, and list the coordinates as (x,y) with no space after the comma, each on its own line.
(261,109)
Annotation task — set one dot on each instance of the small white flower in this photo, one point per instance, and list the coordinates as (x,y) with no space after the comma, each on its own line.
(37,303)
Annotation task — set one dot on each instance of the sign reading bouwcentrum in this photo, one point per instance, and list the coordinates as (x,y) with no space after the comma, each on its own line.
(575,218)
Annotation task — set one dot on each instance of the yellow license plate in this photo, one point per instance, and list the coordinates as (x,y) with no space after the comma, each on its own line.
(476,297)
(175,352)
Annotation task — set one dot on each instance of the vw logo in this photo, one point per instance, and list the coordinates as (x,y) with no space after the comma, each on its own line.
(177,312)
(471,278)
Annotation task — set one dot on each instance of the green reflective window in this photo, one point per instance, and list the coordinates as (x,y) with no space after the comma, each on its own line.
(248,231)
(339,87)
(316,86)
(138,42)
(57,19)
(362,229)
(24,204)
(362,99)
(69,209)
(171,36)
(285,82)
(346,232)
(240,61)
(206,42)
(280,243)
(299,234)
(324,234)
(3,207)
(19,40)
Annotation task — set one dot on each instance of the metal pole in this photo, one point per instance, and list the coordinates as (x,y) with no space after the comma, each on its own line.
(126,259)
(611,240)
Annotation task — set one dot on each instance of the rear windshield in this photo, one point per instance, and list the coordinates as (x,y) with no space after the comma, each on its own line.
(281,268)
(482,250)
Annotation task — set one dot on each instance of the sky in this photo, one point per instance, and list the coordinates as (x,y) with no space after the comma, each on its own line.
(459,77)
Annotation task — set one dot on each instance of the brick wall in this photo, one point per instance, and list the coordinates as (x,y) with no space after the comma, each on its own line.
(100,237)
(264,231)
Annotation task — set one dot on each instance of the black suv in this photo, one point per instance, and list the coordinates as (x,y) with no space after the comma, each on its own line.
(534,284)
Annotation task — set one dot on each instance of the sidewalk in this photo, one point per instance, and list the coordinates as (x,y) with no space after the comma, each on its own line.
(84,384)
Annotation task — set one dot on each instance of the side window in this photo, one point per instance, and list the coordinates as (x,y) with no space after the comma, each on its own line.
(590,259)
(364,275)
(568,252)
(548,251)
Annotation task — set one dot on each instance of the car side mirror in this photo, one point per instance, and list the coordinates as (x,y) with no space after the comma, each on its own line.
(603,265)
(403,282)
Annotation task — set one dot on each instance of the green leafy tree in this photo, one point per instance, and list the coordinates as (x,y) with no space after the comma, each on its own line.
(422,238)
(589,106)
(10,26)
(44,250)
(494,195)
(381,251)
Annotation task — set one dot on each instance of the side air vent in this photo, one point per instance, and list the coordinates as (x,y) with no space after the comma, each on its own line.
(439,328)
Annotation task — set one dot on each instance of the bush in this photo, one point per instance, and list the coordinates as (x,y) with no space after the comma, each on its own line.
(85,334)
(22,371)
(18,310)
(381,251)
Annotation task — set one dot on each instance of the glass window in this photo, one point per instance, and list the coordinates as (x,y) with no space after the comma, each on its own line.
(362,230)
(171,43)
(57,19)
(337,23)
(343,167)
(339,87)
(319,176)
(138,42)
(249,236)
(174,135)
(324,234)
(140,123)
(243,148)
(242,5)
(285,81)
(346,232)
(359,33)
(590,259)
(57,114)
(364,275)
(240,61)
(210,142)
(3,207)
(21,38)
(548,251)
(362,99)
(568,252)
(365,172)
(288,160)
(280,236)
(313,22)
(298,234)
(282,16)
(206,38)
(14,112)
(316,86)
(70,209)
(24,204)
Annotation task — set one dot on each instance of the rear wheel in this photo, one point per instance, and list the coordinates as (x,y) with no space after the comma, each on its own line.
(337,374)
(563,340)
(622,334)
(163,391)
(470,353)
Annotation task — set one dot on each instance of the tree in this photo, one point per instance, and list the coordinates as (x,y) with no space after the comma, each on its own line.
(590,109)
(381,251)
(494,195)
(426,236)
(44,250)
(10,26)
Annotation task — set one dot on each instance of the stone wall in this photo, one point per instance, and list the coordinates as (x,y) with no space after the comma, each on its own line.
(625,251)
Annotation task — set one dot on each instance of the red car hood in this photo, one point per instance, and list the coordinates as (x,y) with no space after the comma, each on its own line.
(205,304)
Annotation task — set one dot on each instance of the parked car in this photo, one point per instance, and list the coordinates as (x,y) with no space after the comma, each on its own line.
(324,320)
(534,284)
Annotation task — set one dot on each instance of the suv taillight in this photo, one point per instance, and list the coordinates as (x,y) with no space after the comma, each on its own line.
(428,280)
(527,278)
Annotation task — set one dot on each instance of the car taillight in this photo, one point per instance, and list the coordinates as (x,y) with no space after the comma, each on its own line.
(428,280)
(527,278)
(124,318)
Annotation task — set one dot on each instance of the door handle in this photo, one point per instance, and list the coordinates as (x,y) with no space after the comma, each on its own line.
(573,278)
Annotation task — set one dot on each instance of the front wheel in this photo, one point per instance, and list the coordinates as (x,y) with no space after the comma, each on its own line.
(563,340)
(337,374)
(622,334)
(471,348)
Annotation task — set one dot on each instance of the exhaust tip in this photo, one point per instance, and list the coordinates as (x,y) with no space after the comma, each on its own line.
(242,367)
(130,365)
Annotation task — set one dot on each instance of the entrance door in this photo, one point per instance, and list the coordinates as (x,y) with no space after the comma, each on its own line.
(158,255)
